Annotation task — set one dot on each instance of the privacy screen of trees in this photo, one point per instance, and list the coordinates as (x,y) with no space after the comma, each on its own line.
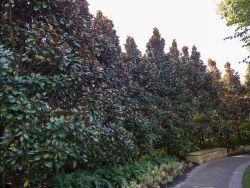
(71,99)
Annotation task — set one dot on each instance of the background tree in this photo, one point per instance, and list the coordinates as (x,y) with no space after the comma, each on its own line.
(185,55)
(202,98)
(132,76)
(247,78)
(233,93)
(131,50)
(213,70)
(236,13)
(246,108)
(174,52)
(155,47)
(107,42)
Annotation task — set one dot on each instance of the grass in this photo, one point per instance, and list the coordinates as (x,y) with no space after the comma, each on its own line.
(246,178)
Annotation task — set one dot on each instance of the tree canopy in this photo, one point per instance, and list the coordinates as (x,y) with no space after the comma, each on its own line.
(237,13)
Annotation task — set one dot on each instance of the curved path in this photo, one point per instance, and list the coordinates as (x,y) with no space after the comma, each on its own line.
(222,173)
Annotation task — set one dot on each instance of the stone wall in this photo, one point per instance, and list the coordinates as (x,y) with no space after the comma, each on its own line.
(206,155)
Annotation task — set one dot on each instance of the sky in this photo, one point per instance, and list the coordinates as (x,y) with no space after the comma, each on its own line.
(190,22)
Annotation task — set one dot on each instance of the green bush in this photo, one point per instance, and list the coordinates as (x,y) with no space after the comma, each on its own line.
(116,175)
(159,175)
(109,176)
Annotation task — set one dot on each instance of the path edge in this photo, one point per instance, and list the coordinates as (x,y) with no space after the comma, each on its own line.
(236,180)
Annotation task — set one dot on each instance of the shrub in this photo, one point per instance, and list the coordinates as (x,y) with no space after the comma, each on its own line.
(159,175)
(116,175)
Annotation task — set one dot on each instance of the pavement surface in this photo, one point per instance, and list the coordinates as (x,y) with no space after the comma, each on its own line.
(222,173)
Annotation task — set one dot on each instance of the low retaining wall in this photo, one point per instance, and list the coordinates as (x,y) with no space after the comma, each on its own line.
(206,155)
(245,148)
(239,150)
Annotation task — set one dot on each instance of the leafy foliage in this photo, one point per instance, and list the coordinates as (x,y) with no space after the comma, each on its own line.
(236,13)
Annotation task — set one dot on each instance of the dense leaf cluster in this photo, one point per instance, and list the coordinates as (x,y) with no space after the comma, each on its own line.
(71,99)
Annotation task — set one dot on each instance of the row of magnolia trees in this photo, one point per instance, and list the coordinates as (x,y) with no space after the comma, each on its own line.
(71,99)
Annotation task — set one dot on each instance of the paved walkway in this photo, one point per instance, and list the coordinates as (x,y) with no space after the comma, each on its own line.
(222,173)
